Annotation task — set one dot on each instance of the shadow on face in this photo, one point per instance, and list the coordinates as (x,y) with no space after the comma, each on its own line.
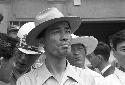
(77,57)
(24,61)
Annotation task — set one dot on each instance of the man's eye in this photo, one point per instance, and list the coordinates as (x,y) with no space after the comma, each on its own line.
(123,50)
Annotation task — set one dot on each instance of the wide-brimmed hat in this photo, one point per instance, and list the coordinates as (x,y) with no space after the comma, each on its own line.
(88,41)
(22,33)
(47,18)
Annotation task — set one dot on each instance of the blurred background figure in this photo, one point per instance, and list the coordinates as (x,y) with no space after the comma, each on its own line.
(7,47)
(13,30)
(99,58)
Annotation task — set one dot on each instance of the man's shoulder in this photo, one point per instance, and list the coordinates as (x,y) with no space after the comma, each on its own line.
(119,72)
(94,73)
(28,78)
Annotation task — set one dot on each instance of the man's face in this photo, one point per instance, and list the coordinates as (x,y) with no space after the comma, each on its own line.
(95,61)
(13,34)
(24,61)
(78,55)
(120,53)
(57,39)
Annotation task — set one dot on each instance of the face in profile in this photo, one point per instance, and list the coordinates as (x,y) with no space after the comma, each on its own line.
(120,53)
(78,55)
(57,39)
(24,61)
(94,59)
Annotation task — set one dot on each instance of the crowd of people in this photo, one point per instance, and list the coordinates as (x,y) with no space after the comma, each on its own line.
(46,52)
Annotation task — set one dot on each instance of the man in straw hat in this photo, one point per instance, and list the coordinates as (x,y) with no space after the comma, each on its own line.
(53,30)
(80,48)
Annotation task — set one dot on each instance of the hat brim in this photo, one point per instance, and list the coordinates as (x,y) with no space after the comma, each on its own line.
(89,42)
(28,51)
(31,38)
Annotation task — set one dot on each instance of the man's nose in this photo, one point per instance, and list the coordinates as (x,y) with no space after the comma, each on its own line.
(64,37)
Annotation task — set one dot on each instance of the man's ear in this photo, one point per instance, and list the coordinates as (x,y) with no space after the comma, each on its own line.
(114,52)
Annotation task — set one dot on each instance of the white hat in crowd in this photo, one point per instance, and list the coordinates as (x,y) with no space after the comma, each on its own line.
(88,41)
(22,33)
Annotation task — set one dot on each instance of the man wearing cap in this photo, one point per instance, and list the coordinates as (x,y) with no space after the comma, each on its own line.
(53,31)
(25,55)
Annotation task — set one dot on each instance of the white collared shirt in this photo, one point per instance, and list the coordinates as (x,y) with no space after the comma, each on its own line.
(117,78)
(105,68)
(98,77)
(41,76)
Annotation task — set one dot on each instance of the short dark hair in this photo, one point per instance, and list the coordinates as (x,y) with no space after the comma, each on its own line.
(117,38)
(103,49)
(1,17)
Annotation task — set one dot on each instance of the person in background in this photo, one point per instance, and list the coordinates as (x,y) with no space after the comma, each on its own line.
(118,46)
(80,48)
(7,48)
(25,55)
(53,30)
(99,59)
(12,31)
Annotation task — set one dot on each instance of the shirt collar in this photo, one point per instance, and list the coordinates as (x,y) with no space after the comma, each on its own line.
(43,73)
(105,68)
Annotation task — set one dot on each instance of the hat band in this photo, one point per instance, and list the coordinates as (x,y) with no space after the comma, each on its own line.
(31,48)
